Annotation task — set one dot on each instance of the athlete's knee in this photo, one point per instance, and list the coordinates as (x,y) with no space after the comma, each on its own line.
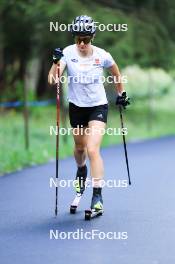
(92,151)
(80,149)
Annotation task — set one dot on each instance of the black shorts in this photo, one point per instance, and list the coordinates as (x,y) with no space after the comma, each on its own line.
(80,116)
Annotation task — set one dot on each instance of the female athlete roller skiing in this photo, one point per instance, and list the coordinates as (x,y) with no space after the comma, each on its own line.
(88,105)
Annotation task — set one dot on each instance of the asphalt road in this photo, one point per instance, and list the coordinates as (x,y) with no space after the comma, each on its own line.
(142,216)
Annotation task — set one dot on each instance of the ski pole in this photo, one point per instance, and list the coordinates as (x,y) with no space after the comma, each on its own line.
(57,134)
(124,144)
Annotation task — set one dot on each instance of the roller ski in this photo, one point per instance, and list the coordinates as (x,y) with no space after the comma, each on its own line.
(80,185)
(96,205)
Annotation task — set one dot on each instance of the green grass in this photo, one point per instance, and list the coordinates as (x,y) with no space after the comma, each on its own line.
(13,156)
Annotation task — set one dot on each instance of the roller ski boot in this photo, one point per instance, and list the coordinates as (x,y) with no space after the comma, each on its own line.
(80,185)
(96,205)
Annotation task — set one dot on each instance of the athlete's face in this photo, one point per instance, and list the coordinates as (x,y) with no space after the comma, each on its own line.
(83,42)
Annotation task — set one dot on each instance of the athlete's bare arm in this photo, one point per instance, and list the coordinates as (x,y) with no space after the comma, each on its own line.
(116,73)
(53,71)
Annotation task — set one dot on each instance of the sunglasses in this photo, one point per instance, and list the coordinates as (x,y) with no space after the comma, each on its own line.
(85,40)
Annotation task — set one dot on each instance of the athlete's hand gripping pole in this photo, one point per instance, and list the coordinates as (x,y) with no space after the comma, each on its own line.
(56,59)
(122,101)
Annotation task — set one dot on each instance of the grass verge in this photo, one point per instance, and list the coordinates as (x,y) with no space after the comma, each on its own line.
(139,120)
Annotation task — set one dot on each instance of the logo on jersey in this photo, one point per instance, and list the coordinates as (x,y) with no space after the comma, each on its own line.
(100,116)
(74,60)
(97,62)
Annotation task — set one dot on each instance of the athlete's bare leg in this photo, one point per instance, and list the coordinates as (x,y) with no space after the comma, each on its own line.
(93,151)
(80,150)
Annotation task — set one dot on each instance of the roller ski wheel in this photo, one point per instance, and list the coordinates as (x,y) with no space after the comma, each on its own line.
(73,209)
(92,213)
